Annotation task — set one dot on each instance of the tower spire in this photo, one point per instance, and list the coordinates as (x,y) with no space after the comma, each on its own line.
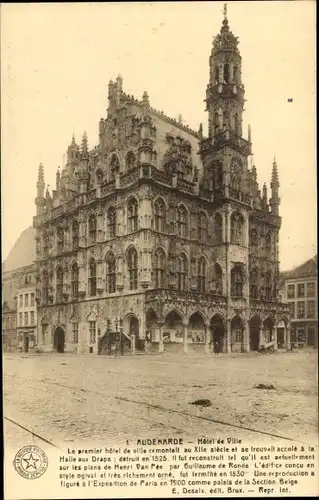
(225,83)
(275,200)
(39,201)
(40,183)
(84,144)
(225,11)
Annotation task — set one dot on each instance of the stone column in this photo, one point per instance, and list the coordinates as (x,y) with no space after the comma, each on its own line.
(224,219)
(185,335)
(206,347)
(161,343)
(133,343)
(231,72)
(261,336)
(288,337)
(246,343)
(274,337)
(228,336)
(228,227)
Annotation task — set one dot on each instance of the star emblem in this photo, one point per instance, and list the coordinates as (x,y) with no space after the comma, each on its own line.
(31,461)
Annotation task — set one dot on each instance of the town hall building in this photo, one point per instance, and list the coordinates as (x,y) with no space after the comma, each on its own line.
(162,229)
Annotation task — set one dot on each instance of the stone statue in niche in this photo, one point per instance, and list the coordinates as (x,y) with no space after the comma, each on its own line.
(236,174)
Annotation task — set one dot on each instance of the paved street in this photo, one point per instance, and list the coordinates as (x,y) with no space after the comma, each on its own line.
(69,398)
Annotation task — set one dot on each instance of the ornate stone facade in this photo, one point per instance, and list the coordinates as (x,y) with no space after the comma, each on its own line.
(162,228)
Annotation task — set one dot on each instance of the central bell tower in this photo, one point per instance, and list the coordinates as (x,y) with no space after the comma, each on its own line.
(224,153)
(225,92)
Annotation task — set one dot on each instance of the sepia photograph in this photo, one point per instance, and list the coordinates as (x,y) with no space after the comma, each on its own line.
(159,249)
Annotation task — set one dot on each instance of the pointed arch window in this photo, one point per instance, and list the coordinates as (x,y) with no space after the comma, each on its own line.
(132,214)
(99,177)
(182,223)
(226,119)
(60,237)
(75,235)
(216,123)
(130,161)
(111,222)
(45,287)
(218,175)
(114,165)
(159,267)
(218,228)
(254,284)
(159,215)
(92,278)
(111,273)
(254,238)
(226,73)
(182,273)
(237,282)
(132,265)
(75,280)
(217,280)
(59,284)
(216,74)
(201,275)
(202,227)
(92,229)
(237,229)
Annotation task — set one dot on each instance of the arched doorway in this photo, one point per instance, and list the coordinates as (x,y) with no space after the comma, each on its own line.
(237,334)
(59,339)
(134,329)
(26,342)
(268,329)
(173,329)
(152,331)
(218,333)
(254,333)
(196,328)
(281,333)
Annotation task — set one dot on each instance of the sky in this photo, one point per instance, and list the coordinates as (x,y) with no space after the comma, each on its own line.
(57,60)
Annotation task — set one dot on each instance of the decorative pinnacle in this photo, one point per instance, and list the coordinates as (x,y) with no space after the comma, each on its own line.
(41,174)
(145,99)
(84,143)
(249,133)
(274,175)
(73,143)
(225,11)
(200,130)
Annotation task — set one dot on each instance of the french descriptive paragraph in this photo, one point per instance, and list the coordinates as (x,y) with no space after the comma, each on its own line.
(205,466)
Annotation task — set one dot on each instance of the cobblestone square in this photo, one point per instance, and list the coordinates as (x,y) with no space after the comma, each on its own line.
(73,399)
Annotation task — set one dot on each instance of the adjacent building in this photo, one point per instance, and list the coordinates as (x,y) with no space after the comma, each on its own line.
(18,273)
(27,314)
(299,289)
(162,228)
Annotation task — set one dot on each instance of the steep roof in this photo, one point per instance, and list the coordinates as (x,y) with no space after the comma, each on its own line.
(23,252)
(308,268)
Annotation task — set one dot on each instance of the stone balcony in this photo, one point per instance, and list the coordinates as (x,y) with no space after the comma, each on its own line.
(160,295)
(269,307)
